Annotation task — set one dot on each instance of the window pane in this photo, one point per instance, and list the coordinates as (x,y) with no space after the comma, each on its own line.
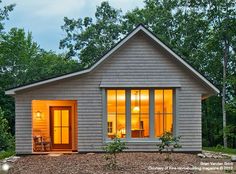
(65,135)
(168,122)
(159,126)
(57,117)
(121,101)
(135,101)
(111,101)
(167,101)
(57,135)
(65,117)
(163,111)
(144,101)
(121,126)
(116,113)
(158,101)
(111,119)
(144,124)
(139,113)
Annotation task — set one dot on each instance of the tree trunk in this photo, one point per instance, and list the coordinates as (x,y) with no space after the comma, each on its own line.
(225,61)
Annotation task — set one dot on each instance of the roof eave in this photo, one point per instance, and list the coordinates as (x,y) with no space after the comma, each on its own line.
(14,90)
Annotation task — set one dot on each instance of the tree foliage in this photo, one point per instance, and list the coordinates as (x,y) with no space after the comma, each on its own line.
(6,139)
(88,39)
(4,14)
(22,61)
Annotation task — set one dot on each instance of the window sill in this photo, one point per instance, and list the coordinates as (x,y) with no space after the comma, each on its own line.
(137,140)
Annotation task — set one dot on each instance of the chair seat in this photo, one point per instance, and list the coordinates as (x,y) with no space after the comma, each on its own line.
(41,143)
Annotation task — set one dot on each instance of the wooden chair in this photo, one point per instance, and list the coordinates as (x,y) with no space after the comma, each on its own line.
(47,143)
(41,144)
(38,143)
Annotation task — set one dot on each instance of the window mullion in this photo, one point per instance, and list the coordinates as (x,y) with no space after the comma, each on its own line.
(163,111)
(116,112)
(104,113)
(151,114)
(128,114)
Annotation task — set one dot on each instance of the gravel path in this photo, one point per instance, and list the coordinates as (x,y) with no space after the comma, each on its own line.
(95,163)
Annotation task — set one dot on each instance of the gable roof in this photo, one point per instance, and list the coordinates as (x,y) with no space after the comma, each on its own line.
(108,53)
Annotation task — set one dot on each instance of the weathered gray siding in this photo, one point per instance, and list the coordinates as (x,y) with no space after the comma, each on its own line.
(138,63)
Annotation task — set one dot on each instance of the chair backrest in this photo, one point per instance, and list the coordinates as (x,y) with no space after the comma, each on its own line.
(38,139)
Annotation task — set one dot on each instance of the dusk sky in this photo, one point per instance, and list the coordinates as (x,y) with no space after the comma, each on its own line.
(45,17)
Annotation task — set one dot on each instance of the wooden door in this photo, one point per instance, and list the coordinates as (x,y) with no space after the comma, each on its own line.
(60,127)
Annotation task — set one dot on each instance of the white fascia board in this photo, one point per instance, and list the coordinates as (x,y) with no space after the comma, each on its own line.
(12,91)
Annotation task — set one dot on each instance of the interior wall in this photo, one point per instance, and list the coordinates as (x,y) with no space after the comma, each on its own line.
(41,126)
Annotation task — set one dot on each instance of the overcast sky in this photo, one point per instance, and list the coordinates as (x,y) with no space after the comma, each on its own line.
(44,17)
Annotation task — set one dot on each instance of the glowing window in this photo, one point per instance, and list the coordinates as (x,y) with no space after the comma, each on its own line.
(139,113)
(163,111)
(116,116)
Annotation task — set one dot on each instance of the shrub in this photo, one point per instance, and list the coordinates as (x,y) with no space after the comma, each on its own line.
(168,144)
(6,139)
(112,148)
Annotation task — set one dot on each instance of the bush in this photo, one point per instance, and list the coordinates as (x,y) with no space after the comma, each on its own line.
(5,154)
(6,139)
(168,144)
(116,146)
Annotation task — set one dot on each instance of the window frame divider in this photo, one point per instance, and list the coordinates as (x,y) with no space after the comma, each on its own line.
(151,113)
(128,113)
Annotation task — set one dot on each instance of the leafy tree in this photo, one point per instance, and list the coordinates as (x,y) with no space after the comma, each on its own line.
(221,39)
(4,14)
(23,61)
(87,39)
(6,139)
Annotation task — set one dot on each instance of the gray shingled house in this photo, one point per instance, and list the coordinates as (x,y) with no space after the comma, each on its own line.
(137,91)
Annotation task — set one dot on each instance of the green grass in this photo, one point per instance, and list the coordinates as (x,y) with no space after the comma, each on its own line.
(6,154)
(221,149)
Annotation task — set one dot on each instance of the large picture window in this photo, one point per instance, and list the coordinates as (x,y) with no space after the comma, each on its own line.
(139,113)
(136,122)
(116,116)
(163,111)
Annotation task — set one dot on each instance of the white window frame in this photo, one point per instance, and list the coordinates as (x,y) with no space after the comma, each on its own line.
(152,137)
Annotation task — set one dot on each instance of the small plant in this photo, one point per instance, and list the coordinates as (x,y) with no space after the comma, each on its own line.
(168,144)
(112,148)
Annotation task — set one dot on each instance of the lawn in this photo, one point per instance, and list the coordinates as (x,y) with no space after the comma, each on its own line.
(221,149)
(127,163)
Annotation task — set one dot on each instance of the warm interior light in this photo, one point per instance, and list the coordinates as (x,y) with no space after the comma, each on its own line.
(136,109)
(38,115)
(122,131)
